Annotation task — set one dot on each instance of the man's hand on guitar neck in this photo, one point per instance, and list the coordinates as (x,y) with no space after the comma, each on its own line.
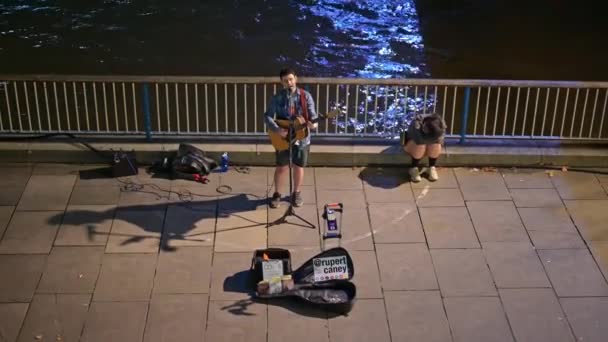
(312,125)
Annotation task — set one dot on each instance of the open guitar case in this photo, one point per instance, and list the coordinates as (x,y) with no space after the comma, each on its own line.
(336,295)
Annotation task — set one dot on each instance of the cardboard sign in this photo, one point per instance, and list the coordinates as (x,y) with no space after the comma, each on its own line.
(330,268)
(271,269)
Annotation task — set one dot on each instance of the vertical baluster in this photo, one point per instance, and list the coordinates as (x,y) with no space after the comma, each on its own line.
(476,111)
(134,106)
(167,107)
(8,107)
(198,127)
(523,124)
(317,105)
(177,108)
(599,134)
(424,103)
(76,107)
(56,106)
(561,132)
(187,107)
(356,115)
(206,108)
(434,99)
(27,106)
(34,84)
(96,107)
(535,111)
(580,132)
(597,93)
(504,124)
(236,119)
(157,107)
(245,106)
(337,104)
(217,118)
(226,106)
(255,107)
(65,101)
(346,114)
(445,97)
(496,111)
(485,118)
(542,129)
(46,102)
(516,109)
(124,107)
(554,112)
(86,107)
(366,101)
(574,112)
(453,110)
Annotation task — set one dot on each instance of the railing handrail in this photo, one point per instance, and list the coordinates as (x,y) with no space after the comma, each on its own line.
(309,80)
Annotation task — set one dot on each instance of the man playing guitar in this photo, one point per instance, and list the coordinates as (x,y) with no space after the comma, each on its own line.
(290,102)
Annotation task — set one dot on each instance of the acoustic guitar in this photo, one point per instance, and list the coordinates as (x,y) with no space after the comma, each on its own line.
(301,130)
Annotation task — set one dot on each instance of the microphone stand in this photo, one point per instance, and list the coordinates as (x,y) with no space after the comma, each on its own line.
(290,210)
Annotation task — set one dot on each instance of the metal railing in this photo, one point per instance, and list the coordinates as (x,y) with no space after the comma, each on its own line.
(212,106)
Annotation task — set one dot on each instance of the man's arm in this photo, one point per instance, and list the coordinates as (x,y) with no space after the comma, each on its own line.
(312,113)
(269,115)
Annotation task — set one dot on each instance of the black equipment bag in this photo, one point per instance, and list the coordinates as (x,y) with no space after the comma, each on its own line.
(336,295)
(190,161)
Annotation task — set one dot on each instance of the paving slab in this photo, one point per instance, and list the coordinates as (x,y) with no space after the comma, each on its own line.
(351,199)
(241,231)
(31,232)
(406,267)
(55,317)
(289,320)
(85,225)
(600,254)
(6,212)
(477,319)
(115,321)
(236,321)
(71,270)
(176,317)
(389,194)
(536,198)
(535,315)
(136,230)
(20,275)
(11,319)
(184,270)
(230,276)
(448,228)
(578,185)
(126,277)
(92,195)
(573,273)
(13,182)
(550,228)
(431,197)
(367,278)
(515,265)
(526,179)
(497,221)
(587,316)
(590,218)
(293,232)
(189,224)
(395,222)
(462,272)
(330,178)
(366,322)
(481,185)
(417,316)
(47,192)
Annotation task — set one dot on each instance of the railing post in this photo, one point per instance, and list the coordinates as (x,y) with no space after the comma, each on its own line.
(146,107)
(465,115)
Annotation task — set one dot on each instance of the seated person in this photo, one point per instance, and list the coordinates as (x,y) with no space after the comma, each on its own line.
(424,137)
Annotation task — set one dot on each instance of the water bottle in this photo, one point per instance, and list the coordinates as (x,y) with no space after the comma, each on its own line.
(224,162)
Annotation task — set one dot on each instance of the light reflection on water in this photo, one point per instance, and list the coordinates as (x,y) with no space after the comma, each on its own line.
(325,38)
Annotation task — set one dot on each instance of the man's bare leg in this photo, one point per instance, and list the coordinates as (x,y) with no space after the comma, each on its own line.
(298,178)
(279,177)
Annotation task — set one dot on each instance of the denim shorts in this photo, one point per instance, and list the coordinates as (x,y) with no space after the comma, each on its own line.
(299,156)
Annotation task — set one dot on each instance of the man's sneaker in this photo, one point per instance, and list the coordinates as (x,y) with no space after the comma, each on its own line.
(432,174)
(414,174)
(275,201)
(297,199)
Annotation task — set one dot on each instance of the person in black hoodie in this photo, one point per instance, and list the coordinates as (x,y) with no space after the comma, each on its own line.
(424,137)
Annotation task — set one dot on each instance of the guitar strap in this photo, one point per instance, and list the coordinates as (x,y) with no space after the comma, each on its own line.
(303,104)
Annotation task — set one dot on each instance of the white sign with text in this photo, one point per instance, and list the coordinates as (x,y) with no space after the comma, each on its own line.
(330,268)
